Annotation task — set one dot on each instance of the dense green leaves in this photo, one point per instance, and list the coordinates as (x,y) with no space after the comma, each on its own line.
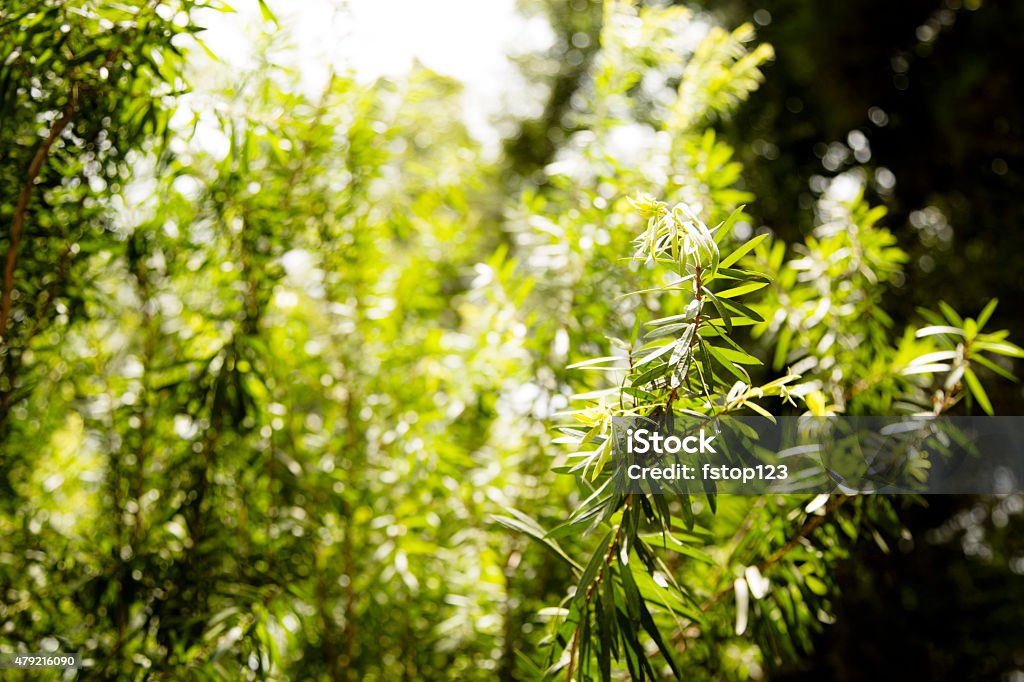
(279,369)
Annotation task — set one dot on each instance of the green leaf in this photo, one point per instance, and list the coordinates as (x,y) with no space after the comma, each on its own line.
(732,344)
(740,357)
(714,325)
(951,315)
(743,310)
(985,362)
(782,347)
(986,312)
(723,311)
(725,228)
(650,375)
(524,524)
(671,541)
(742,250)
(742,275)
(816,585)
(708,374)
(206,48)
(711,493)
(667,330)
(742,289)
(724,362)
(606,629)
(692,308)
(760,410)
(977,391)
(929,316)
(266,14)
(640,394)
(629,589)
(658,352)
(532,668)
(604,451)
(632,648)
(680,359)
(594,565)
(970,329)
(652,629)
(688,516)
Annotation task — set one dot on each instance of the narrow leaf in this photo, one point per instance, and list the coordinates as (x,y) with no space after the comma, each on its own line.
(938,329)
(725,228)
(985,362)
(729,366)
(680,359)
(594,565)
(760,410)
(742,289)
(742,250)
(739,357)
(977,391)
(266,14)
(986,312)
(524,524)
(652,629)
(723,311)
(667,330)
(658,352)
(951,315)
(596,361)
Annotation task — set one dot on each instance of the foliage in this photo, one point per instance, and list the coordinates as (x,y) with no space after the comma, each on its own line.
(279,371)
(666,564)
(85,86)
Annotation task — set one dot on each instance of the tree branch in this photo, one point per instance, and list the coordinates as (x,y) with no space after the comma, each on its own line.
(18,222)
(34,169)
(806,529)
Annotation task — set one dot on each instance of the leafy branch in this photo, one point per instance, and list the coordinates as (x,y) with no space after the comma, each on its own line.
(687,363)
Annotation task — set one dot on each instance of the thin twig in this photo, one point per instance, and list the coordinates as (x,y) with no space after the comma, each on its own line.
(809,526)
(21,209)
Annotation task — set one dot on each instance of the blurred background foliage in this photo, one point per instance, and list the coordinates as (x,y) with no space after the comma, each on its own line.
(274,364)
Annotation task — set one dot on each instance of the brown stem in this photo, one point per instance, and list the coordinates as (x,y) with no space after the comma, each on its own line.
(608,558)
(804,531)
(21,209)
(809,526)
(34,169)
(698,287)
(574,649)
